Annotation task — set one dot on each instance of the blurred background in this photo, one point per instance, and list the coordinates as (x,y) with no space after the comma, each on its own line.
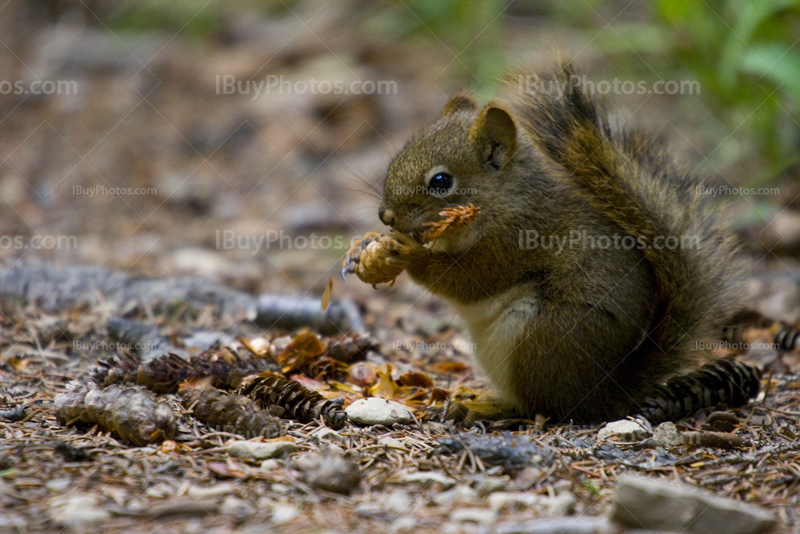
(245,140)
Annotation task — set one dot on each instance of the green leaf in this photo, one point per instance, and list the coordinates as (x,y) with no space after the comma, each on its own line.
(777,64)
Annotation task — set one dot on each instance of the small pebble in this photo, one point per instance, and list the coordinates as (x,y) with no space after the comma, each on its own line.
(391,442)
(261,450)
(159,491)
(331,471)
(398,502)
(560,525)
(269,465)
(206,492)
(329,434)
(667,435)
(76,510)
(623,430)
(235,506)
(513,500)
(481,516)
(458,495)
(403,524)
(58,484)
(488,485)
(430,477)
(560,505)
(375,411)
(284,513)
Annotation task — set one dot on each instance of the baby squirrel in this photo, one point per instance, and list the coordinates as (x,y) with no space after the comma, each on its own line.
(591,266)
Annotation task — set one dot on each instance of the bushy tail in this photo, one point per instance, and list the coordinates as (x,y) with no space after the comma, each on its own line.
(630,177)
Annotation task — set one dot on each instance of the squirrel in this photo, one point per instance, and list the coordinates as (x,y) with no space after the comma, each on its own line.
(587,266)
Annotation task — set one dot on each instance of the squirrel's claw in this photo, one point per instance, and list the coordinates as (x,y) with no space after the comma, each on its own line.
(351,261)
(368,259)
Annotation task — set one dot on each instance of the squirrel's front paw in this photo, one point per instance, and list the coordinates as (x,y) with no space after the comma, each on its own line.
(378,258)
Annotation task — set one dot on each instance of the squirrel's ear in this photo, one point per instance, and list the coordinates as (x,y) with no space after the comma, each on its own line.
(459,102)
(494,134)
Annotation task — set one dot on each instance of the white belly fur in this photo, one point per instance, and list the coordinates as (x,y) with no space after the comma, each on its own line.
(496,326)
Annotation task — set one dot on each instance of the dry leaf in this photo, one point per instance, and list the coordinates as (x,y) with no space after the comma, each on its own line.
(449,367)
(326,296)
(415,379)
(224,470)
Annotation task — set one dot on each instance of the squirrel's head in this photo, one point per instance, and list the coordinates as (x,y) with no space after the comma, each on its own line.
(466,156)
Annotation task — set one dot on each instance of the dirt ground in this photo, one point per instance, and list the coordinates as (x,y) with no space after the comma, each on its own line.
(162,156)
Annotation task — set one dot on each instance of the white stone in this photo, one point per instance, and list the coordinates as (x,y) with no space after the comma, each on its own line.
(490,485)
(375,411)
(482,516)
(398,502)
(58,484)
(284,513)
(403,524)
(329,434)
(235,506)
(392,443)
(430,477)
(667,435)
(77,509)
(652,504)
(559,525)
(159,491)
(512,500)
(460,494)
(623,430)
(560,505)
(269,465)
(206,492)
(261,450)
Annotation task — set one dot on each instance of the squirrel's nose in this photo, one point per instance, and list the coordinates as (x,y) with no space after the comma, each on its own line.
(386,216)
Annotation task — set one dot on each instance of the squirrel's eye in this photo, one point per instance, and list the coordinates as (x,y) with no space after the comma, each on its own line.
(441,182)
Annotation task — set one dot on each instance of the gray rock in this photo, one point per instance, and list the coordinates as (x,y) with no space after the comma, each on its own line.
(653,504)
(488,485)
(513,500)
(329,434)
(430,477)
(268,465)
(374,411)
(458,495)
(76,510)
(560,505)
(236,506)
(207,492)
(391,443)
(331,471)
(561,525)
(624,430)
(667,435)
(261,450)
(481,516)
